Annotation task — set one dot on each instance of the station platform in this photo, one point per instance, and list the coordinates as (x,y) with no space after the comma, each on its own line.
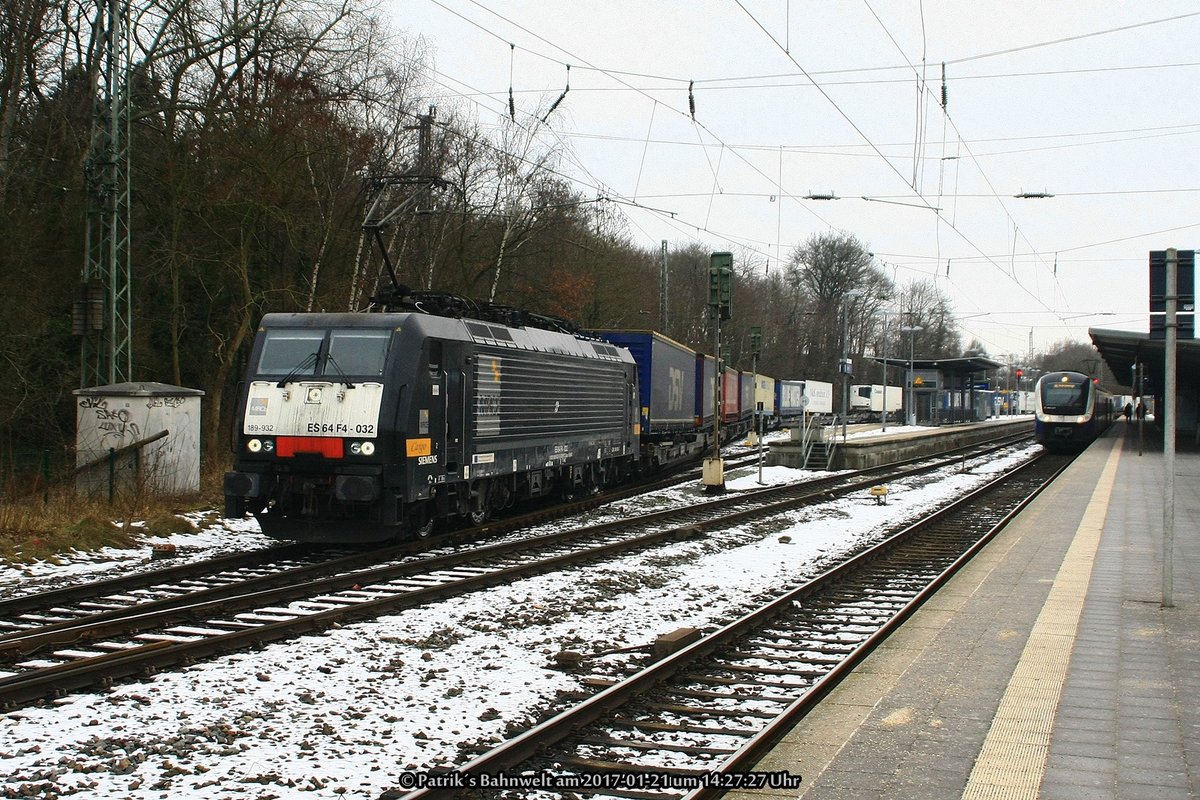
(869,446)
(1046,668)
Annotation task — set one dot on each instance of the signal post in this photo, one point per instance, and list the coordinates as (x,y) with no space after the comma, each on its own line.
(720,300)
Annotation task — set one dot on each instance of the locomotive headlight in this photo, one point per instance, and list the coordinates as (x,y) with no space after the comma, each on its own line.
(268,445)
(356,448)
(368,448)
(254,445)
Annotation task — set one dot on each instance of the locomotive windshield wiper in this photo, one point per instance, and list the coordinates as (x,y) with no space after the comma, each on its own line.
(329,359)
(310,360)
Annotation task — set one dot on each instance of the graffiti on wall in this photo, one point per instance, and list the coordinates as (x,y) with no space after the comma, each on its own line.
(114,426)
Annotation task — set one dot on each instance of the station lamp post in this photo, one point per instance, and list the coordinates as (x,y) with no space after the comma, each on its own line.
(883,416)
(911,330)
(844,366)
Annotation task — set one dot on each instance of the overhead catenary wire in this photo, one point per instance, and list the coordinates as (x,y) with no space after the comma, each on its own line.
(579,60)
(919,196)
(645,149)
(614,72)
(671,218)
(697,82)
(947,119)
(723,145)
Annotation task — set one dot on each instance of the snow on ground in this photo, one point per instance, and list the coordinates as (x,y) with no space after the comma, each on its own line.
(214,537)
(342,714)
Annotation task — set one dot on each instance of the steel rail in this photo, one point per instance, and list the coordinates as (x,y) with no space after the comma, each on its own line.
(535,741)
(300,579)
(102,670)
(45,602)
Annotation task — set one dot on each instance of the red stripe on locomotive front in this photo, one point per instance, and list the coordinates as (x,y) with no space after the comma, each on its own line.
(327,446)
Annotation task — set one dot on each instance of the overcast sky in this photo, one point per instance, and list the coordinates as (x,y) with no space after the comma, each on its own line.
(1091,101)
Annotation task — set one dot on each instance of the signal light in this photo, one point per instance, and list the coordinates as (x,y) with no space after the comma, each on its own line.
(1020,372)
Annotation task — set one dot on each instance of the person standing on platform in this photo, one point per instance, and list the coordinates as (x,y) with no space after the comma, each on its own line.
(1128,411)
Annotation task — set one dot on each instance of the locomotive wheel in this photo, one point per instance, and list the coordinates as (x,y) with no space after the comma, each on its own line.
(480,503)
(422,526)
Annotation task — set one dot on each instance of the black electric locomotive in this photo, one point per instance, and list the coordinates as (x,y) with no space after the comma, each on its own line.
(1070,410)
(366,427)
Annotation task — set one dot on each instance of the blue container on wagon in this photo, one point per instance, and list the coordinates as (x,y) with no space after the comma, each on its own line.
(745,394)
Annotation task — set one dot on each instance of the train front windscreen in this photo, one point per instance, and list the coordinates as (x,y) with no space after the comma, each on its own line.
(307,352)
(1065,396)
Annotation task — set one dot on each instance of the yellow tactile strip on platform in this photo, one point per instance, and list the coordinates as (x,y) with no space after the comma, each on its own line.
(1013,758)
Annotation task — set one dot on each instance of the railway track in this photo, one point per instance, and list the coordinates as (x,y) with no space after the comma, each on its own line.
(239,573)
(694,723)
(110,643)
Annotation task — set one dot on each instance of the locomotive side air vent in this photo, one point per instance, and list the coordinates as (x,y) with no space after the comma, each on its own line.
(479,330)
(500,334)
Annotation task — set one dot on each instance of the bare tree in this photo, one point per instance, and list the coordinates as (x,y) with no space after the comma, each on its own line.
(922,304)
(834,275)
(521,164)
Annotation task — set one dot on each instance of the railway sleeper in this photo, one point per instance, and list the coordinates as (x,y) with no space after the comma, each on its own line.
(816,625)
(848,609)
(584,764)
(635,744)
(796,656)
(700,711)
(668,727)
(737,697)
(889,597)
(116,647)
(77,655)
(720,680)
(814,646)
(233,624)
(945,546)
(809,670)
(820,642)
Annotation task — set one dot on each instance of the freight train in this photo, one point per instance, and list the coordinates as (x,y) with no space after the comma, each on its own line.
(369,427)
(1070,410)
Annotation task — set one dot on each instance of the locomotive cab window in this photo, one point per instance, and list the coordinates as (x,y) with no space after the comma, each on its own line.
(358,352)
(310,353)
(290,351)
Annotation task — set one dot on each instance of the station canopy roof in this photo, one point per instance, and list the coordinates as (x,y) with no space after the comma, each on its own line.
(1122,349)
(951,368)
